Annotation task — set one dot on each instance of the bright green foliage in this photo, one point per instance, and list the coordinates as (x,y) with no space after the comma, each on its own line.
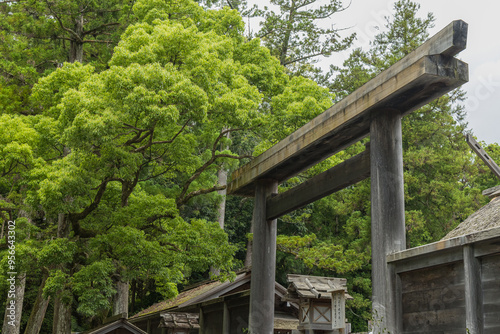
(300,101)
(17,151)
(117,159)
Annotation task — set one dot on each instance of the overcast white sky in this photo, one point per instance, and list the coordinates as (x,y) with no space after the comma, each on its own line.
(482,53)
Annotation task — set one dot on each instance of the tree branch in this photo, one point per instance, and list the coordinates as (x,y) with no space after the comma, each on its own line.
(200,192)
(303,58)
(61,24)
(174,137)
(75,218)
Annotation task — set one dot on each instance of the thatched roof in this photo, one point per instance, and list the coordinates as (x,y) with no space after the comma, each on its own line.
(285,323)
(485,218)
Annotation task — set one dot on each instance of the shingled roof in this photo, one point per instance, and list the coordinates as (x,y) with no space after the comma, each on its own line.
(486,218)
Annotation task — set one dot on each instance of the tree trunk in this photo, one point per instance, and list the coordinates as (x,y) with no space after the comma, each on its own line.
(248,257)
(63,226)
(134,291)
(62,309)
(14,306)
(38,313)
(76,49)
(120,301)
(62,317)
(221,213)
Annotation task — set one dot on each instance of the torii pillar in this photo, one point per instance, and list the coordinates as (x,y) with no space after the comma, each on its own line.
(387,216)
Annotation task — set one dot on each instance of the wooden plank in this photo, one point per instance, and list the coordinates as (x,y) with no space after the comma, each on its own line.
(490,270)
(479,150)
(445,244)
(473,292)
(429,260)
(337,178)
(348,121)
(433,299)
(492,192)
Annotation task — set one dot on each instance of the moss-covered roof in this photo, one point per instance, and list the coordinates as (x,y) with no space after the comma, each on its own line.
(191,296)
(181,298)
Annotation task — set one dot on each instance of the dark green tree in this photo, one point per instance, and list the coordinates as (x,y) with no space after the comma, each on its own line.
(293,31)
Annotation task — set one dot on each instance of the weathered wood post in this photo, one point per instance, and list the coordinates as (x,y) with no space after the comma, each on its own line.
(388,215)
(261,318)
(474,321)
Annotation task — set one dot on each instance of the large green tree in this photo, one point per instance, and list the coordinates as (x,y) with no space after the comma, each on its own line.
(126,153)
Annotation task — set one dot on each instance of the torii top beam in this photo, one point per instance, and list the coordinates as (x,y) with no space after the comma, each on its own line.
(425,74)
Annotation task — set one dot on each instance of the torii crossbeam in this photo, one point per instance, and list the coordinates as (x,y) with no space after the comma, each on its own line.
(374,109)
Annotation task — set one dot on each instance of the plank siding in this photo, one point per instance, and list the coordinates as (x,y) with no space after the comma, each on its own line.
(434,300)
(490,270)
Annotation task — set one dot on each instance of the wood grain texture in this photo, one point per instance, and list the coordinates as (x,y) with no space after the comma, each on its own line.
(490,270)
(434,300)
(473,291)
(387,215)
(262,285)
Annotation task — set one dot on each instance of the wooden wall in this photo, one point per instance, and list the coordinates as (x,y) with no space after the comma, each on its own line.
(490,272)
(434,300)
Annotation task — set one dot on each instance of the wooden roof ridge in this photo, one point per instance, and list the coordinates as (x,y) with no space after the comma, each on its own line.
(110,326)
(492,192)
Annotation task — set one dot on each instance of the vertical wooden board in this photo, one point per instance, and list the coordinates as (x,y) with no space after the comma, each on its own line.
(338,310)
(433,299)
(490,274)
(473,291)
(213,322)
(155,326)
(239,319)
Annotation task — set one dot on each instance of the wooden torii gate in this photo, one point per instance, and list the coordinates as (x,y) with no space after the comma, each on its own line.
(374,109)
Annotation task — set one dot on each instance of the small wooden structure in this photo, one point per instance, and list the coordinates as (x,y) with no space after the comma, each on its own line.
(179,323)
(375,109)
(321,303)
